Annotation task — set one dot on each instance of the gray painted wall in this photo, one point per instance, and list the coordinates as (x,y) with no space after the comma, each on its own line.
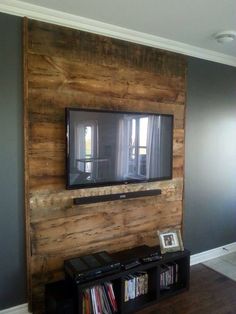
(210,166)
(12,248)
(210,160)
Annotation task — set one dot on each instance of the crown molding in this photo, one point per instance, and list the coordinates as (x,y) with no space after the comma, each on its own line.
(19,8)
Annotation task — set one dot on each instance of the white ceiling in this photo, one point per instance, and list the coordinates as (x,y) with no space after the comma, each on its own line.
(185,26)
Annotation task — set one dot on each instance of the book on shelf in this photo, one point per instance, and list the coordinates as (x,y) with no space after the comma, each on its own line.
(168,275)
(99,299)
(135,285)
(111,296)
(87,302)
(106,304)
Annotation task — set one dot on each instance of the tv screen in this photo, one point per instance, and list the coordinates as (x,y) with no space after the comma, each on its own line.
(108,148)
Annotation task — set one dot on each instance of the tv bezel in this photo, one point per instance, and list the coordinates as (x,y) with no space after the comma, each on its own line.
(111,183)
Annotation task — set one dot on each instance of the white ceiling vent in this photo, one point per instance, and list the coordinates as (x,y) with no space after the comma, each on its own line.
(225,37)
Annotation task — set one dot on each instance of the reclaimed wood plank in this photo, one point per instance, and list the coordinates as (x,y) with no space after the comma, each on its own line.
(70,68)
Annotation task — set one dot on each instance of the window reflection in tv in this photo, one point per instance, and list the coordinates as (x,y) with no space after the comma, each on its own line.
(106,148)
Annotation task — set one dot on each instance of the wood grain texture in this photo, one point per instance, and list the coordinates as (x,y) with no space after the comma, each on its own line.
(69,68)
(26,163)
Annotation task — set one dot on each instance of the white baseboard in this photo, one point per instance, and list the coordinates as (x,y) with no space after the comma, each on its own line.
(19,309)
(210,254)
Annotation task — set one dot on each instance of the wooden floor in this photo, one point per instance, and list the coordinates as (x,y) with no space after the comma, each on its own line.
(210,293)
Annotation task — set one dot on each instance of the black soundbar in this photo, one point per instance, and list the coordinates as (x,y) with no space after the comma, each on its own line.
(115,197)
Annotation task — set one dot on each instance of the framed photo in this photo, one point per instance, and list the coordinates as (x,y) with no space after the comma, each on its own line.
(170,241)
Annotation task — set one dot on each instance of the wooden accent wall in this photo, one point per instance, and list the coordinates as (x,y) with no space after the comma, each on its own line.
(71,68)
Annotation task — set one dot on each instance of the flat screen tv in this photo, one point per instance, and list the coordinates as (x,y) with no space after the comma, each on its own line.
(109,148)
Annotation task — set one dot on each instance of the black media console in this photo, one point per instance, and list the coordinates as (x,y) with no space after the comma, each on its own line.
(142,280)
